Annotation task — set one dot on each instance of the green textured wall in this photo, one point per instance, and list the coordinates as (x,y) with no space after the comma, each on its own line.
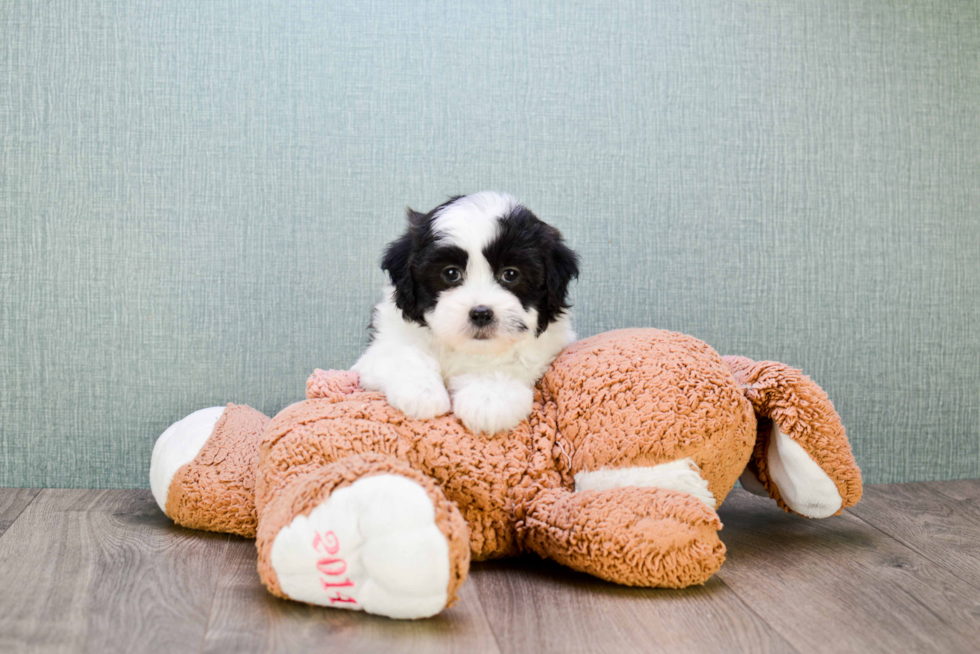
(194,195)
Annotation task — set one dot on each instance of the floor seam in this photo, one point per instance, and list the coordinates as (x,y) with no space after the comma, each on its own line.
(483,612)
(214,595)
(21,512)
(751,609)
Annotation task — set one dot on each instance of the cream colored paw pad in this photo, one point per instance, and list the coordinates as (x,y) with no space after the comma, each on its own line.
(372,546)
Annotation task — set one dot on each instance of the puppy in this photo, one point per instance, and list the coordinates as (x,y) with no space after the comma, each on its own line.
(475,312)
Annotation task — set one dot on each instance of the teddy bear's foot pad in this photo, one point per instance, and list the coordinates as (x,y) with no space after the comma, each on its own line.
(372,546)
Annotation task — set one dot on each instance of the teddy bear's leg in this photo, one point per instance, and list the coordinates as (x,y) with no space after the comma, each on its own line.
(802,458)
(202,472)
(635,536)
(366,533)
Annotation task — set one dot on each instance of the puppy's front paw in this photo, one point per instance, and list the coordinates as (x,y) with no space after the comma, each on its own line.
(491,404)
(419,398)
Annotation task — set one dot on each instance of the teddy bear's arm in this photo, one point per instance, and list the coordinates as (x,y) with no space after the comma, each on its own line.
(652,537)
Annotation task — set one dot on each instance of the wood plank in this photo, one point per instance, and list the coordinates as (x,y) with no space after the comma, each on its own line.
(943,530)
(841,585)
(246,618)
(104,571)
(964,490)
(13,501)
(539,606)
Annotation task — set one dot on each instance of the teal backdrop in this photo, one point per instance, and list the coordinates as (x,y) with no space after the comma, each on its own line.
(194,197)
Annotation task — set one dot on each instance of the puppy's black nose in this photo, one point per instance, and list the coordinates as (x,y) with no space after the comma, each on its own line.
(481,316)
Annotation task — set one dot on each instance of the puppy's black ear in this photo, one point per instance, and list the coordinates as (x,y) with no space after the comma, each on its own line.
(397,262)
(415,219)
(561,267)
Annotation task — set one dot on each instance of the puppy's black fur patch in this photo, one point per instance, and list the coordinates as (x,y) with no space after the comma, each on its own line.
(546,265)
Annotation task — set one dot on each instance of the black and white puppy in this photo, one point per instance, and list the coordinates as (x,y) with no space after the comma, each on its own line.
(476,308)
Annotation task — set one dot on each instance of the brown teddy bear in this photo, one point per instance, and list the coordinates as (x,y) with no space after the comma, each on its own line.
(635,439)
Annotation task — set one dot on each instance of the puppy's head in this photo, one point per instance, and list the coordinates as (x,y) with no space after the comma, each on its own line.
(481,272)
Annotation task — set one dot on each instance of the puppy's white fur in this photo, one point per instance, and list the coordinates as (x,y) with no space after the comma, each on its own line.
(491,380)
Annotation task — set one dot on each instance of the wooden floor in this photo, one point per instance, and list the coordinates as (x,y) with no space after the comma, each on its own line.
(105,571)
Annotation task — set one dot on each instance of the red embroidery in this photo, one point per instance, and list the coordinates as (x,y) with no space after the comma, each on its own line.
(328,543)
(327,585)
(332,567)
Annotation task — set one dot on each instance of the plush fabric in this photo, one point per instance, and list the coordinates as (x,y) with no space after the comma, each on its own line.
(805,413)
(216,491)
(628,399)
(307,491)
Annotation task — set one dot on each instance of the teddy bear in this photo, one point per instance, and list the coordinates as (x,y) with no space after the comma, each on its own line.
(635,439)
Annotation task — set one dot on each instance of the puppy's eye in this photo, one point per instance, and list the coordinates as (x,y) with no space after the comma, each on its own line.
(452,275)
(510,275)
